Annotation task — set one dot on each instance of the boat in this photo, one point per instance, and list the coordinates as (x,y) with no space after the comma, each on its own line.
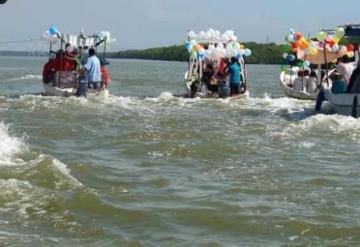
(65,83)
(213,48)
(308,53)
(348,103)
(344,104)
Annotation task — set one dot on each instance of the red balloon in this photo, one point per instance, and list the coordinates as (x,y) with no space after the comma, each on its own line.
(350,47)
(298,36)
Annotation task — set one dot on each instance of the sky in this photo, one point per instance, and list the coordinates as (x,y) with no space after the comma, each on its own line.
(138,24)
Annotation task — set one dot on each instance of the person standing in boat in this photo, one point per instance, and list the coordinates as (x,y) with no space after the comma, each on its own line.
(299,82)
(354,84)
(234,72)
(311,83)
(93,70)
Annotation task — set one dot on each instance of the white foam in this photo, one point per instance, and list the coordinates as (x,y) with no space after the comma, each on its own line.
(64,170)
(9,147)
(26,78)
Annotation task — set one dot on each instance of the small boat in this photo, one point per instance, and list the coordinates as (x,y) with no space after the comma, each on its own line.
(64,83)
(285,82)
(213,49)
(308,52)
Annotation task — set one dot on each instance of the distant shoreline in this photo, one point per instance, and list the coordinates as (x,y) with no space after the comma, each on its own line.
(270,53)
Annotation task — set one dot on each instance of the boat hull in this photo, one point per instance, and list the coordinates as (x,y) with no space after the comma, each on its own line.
(344,104)
(68,92)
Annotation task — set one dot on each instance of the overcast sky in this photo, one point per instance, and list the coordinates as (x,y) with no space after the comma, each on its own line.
(153,23)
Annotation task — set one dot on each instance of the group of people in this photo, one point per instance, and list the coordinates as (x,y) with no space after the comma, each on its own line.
(90,72)
(306,81)
(222,78)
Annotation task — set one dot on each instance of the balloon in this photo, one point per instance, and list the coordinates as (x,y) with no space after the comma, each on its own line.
(339,33)
(350,47)
(335,48)
(283,67)
(53,31)
(188,46)
(193,55)
(290,38)
(291,31)
(290,58)
(247,52)
(350,54)
(343,50)
(313,51)
(285,55)
(193,42)
(306,64)
(298,35)
(300,64)
(191,34)
(294,47)
(321,36)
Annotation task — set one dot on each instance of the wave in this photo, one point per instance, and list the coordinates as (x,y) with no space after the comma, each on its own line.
(25,78)
(14,152)
(9,147)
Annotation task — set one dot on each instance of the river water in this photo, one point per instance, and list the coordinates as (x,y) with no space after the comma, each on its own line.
(144,168)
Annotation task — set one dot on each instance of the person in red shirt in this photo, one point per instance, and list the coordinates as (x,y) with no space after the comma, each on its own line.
(105,77)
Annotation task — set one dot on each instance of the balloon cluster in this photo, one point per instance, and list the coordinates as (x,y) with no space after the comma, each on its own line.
(331,42)
(214,36)
(220,45)
(52,35)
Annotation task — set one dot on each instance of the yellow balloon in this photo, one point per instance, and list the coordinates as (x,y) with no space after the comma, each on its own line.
(314,51)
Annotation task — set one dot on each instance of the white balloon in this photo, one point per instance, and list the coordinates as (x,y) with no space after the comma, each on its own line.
(202,35)
(191,34)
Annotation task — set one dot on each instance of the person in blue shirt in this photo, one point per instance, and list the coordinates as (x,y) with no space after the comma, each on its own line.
(234,72)
(339,84)
(93,70)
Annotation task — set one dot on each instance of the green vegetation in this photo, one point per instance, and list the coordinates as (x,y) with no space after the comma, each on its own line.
(261,53)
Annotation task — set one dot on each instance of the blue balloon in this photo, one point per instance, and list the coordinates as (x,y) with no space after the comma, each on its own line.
(53,30)
(188,46)
(201,56)
(290,58)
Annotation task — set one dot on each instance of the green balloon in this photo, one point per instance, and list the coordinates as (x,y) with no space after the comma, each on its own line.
(283,67)
(300,64)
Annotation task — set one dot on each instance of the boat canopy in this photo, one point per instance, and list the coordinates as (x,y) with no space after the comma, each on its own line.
(352,30)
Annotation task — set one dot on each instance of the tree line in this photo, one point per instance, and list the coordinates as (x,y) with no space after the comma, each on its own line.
(270,53)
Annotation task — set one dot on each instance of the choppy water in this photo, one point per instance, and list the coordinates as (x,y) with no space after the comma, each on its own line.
(143,168)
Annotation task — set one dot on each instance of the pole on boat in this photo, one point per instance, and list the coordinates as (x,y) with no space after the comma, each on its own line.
(326,66)
(244,74)
(105,43)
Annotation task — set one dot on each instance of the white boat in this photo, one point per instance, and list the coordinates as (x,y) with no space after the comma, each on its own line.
(65,83)
(286,80)
(212,48)
(344,104)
